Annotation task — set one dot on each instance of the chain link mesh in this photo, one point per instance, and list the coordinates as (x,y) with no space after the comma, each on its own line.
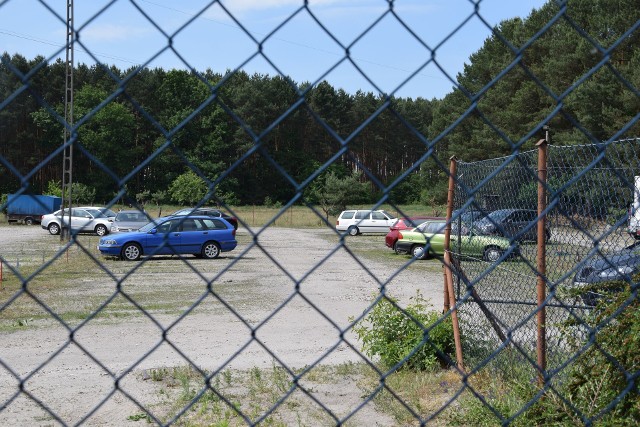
(589,188)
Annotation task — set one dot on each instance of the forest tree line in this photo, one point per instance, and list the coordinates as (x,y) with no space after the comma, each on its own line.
(262,138)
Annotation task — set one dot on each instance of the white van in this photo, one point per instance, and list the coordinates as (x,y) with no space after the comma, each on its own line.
(362,221)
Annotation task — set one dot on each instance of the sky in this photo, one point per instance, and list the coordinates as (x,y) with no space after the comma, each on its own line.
(392,54)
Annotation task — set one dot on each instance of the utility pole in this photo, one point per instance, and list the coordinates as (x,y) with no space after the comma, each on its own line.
(67,160)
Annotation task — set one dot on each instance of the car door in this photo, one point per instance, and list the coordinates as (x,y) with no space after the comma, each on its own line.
(166,239)
(193,235)
(434,233)
(81,220)
(362,220)
(378,222)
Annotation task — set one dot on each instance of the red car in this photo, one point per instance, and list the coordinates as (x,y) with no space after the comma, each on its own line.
(403,224)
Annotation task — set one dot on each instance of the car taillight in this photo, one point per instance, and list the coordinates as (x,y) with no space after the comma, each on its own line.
(233,233)
(399,235)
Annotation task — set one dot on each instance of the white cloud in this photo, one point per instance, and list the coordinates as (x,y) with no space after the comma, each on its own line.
(111,32)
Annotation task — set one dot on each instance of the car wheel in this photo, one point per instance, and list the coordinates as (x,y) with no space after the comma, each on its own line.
(492,254)
(131,252)
(101,230)
(28,221)
(353,231)
(210,250)
(418,252)
(54,228)
(396,250)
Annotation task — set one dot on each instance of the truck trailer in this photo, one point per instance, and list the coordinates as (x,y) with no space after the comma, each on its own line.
(28,208)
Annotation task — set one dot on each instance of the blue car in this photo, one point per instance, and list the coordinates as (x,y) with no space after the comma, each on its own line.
(202,236)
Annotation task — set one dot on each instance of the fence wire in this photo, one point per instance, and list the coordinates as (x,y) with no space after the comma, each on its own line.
(589,191)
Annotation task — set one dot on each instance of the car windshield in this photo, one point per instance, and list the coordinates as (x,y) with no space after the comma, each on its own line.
(183,212)
(107,212)
(96,213)
(150,226)
(497,215)
(388,214)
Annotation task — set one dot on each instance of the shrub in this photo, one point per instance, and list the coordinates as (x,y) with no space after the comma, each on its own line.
(603,374)
(414,336)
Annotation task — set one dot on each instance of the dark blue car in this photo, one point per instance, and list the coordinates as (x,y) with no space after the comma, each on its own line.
(202,236)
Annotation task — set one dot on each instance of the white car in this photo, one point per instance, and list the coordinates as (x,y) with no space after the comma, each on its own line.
(83,219)
(363,221)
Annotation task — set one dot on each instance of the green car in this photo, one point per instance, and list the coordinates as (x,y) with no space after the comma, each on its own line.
(489,248)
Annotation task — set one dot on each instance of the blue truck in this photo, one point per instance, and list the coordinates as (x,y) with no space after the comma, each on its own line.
(28,208)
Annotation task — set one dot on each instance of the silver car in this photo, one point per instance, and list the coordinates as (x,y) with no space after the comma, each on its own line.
(130,220)
(83,219)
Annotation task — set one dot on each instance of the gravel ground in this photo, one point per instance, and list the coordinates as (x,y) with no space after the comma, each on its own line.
(282,303)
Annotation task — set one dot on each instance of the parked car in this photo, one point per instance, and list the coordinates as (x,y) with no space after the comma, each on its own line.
(129,220)
(364,221)
(405,224)
(615,267)
(216,213)
(200,235)
(511,223)
(83,219)
(467,216)
(489,248)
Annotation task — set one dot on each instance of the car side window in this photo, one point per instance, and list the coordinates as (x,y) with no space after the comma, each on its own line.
(347,214)
(168,226)
(362,215)
(436,227)
(79,213)
(377,215)
(189,225)
(214,224)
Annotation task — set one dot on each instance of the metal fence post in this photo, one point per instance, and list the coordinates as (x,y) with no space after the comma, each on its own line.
(450,298)
(541,257)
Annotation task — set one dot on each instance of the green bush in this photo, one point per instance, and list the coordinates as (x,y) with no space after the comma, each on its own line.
(392,334)
(603,374)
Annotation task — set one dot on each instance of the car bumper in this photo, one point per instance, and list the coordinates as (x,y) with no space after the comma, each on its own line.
(404,246)
(110,250)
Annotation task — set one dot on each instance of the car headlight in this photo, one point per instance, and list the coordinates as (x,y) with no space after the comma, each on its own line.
(108,242)
(612,273)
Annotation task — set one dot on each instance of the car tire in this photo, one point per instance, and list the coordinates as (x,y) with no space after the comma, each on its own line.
(492,254)
(53,228)
(28,221)
(101,230)
(353,231)
(210,250)
(398,251)
(418,252)
(131,252)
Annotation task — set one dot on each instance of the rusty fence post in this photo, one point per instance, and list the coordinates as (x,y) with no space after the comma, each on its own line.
(449,295)
(541,258)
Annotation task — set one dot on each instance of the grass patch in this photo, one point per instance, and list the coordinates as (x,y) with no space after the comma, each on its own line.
(243,397)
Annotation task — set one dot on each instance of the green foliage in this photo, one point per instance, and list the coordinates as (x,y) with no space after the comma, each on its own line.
(601,375)
(54,188)
(413,333)
(187,189)
(80,193)
(338,192)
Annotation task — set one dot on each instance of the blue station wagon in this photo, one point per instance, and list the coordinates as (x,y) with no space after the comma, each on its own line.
(202,236)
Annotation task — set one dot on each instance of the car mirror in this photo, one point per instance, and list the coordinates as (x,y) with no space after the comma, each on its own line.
(153,231)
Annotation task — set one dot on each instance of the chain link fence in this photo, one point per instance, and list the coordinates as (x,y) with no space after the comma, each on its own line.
(206,324)
(590,190)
